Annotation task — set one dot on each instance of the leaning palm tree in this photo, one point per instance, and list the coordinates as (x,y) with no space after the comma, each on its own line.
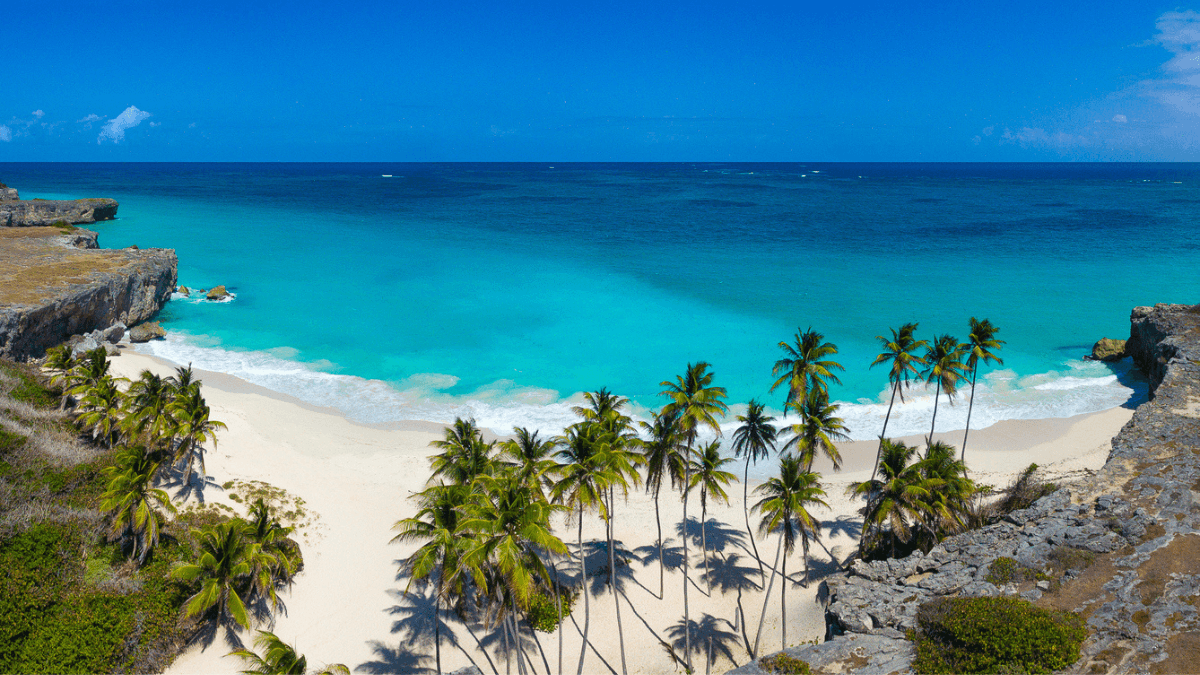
(280,658)
(464,455)
(983,346)
(755,439)
(192,427)
(711,478)
(943,366)
(804,367)
(695,401)
(819,428)
(620,462)
(662,456)
(223,570)
(436,528)
(583,482)
(896,498)
(785,506)
(100,410)
(900,351)
(137,509)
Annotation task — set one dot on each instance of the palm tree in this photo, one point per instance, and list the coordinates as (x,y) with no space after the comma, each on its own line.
(712,479)
(583,481)
(896,498)
(224,571)
(280,658)
(465,455)
(436,527)
(88,371)
(943,365)
(900,352)
(694,401)
(60,361)
(101,410)
(621,466)
(755,439)
(272,538)
(983,346)
(802,366)
(135,506)
(948,507)
(663,459)
(184,380)
(819,427)
(146,406)
(192,427)
(785,504)
(509,525)
(530,456)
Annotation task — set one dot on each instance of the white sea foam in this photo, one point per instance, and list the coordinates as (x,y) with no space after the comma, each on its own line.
(1081,387)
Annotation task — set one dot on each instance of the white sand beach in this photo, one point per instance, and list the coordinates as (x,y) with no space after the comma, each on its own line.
(349,606)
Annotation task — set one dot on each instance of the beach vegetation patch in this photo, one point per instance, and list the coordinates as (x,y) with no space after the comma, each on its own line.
(785,664)
(1005,570)
(543,613)
(994,635)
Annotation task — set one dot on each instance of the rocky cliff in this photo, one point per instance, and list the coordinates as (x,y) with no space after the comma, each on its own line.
(1122,548)
(54,285)
(15,212)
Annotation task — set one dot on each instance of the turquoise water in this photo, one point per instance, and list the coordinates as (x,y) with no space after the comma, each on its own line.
(502,291)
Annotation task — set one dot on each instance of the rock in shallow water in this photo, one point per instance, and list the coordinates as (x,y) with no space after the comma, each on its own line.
(1108,350)
(146,332)
(218,293)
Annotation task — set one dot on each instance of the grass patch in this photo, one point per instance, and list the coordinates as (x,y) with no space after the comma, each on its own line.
(784,664)
(994,635)
(1005,570)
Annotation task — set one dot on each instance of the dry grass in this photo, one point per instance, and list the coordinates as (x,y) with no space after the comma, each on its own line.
(1183,654)
(35,265)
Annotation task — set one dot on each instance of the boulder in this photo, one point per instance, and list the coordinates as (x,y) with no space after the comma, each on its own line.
(218,293)
(146,332)
(184,290)
(111,349)
(114,333)
(87,344)
(1108,350)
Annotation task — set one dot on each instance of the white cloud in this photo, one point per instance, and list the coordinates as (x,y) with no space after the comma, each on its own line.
(114,129)
(1120,118)
(38,113)
(5,133)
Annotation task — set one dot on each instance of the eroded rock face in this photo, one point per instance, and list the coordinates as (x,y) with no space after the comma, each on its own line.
(1107,349)
(42,212)
(1121,548)
(50,290)
(8,194)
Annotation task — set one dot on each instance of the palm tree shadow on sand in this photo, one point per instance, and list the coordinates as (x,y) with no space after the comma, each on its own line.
(173,479)
(416,627)
(597,566)
(394,660)
(708,630)
(672,556)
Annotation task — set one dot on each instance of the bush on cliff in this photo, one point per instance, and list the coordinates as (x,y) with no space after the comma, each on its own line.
(994,635)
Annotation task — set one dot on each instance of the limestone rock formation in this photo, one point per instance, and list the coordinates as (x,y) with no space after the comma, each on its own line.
(1108,350)
(8,194)
(1120,547)
(42,212)
(218,293)
(146,332)
(50,290)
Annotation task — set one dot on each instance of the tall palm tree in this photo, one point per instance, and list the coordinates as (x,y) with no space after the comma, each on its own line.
(755,439)
(465,454)
(901,352)
(146,411)
(785,506)
(88,371)
(695,401)
(137,509)
(184,380)
(803,366)
(530,456)
(510,526)
(943,366)
(60,361)
(896,498)
(224,571)
(948,507)
(817,431)
(282,557)
(436,528)
(192,427)
(983,347)
(583,481)
(100,410)
(280,658)
(711,478)
(621,463)
(662,456)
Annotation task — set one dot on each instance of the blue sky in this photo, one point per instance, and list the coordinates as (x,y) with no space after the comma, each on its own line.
(599,81)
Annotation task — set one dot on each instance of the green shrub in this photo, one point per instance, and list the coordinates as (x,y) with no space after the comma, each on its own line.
(1067,558)
(10,441)
(785,664)
(543,614)
(994,635)
(1005,570)
(31,391)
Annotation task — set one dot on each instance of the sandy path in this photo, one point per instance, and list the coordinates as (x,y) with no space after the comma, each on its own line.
(348,605)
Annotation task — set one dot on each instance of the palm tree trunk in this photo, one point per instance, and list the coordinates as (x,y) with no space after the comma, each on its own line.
(507,650)
(704,538)
(936,396)
(767,598)
(783,599)
(437,621)
(746,511)
(516,633)
(970,405)
(883,434)
(612,578)
(687,626)
(558,606)
(661,564)
(587,613)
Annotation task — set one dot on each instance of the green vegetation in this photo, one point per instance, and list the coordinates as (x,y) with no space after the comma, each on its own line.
(280,658)
(994,635)
(783,664)
(543,613)
(1005,570)
(64,227)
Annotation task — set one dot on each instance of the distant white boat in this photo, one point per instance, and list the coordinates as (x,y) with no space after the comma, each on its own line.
(387,175)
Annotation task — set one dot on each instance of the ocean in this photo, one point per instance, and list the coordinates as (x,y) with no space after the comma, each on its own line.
(399,291)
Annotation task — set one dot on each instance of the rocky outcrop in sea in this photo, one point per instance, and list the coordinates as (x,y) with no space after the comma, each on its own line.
(16,212)
(1120,547)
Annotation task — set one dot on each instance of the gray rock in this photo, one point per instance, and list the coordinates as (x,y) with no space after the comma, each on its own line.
(146,332)
(87,344)
(42,212)
(8,194)
(111,349)
(115,332)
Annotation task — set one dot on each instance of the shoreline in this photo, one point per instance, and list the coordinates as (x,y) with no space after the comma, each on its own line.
(348,604)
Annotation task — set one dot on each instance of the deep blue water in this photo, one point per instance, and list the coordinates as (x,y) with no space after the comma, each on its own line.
(502,290)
